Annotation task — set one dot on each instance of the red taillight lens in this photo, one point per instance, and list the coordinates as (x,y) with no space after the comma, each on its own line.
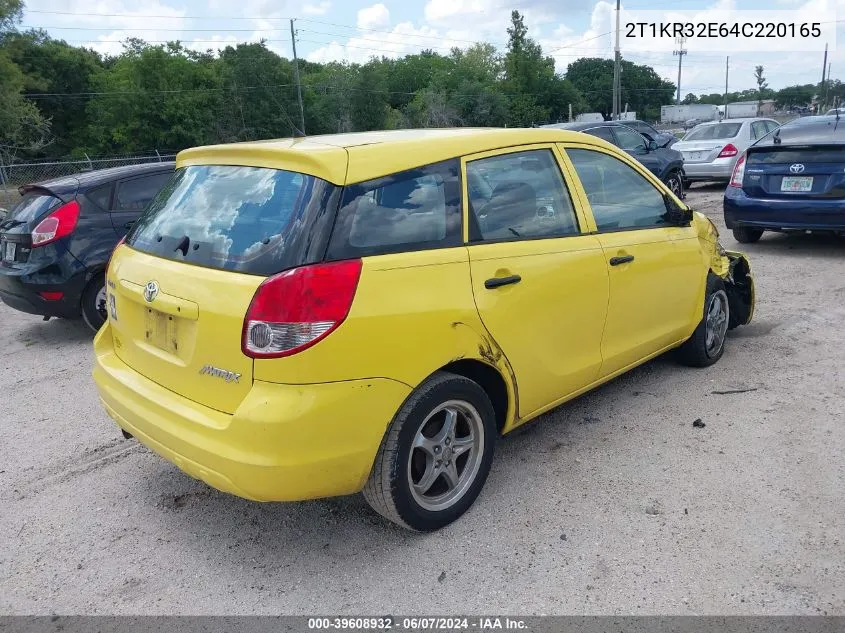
(297,308)
(52,296)
(728,151)
(739,172)
(60,223)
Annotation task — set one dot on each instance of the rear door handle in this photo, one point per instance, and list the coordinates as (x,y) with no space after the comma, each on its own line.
(615,261)
(495,282)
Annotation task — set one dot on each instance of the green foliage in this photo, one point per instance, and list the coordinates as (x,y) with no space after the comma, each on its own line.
(60,100)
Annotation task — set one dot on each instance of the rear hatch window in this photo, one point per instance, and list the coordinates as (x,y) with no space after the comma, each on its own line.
(15,237)
(251,220)
(711,132)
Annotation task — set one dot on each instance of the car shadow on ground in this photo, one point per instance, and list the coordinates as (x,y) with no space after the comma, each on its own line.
(36,331)
(794,244)
(345,526)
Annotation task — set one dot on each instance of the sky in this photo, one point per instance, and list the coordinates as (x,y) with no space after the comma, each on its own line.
(355,30)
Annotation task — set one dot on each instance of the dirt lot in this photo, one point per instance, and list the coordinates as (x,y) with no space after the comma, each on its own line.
(613,503)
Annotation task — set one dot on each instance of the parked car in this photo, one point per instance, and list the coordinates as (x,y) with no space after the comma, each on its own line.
(665,163)
(305,318)
(691,123)
(791,179)
(835,111)
(664,139)
(55,243)
(711,149)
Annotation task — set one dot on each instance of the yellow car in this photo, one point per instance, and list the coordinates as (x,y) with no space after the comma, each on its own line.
(305,318)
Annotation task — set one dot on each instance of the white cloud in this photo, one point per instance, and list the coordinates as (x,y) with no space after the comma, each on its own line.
(374,17)
(317,9)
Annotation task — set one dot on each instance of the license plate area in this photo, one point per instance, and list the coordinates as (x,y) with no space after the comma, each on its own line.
(796,183)
(8,250)
(160,330)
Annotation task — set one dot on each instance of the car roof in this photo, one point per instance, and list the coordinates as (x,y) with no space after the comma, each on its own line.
(87,179)
(584,125)
(360,156)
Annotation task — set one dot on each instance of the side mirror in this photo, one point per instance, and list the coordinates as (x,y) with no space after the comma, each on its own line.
(675,214)
(652,145)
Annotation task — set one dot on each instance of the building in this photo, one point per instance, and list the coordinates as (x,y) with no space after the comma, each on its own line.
(749,108)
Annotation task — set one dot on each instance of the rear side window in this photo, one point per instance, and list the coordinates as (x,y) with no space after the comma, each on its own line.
(32,206)
(715,131)
(101,196)
(244,219)
(602,132)
(418,209)
(136,194)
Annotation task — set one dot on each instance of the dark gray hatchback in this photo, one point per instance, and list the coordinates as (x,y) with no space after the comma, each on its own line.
(56,242)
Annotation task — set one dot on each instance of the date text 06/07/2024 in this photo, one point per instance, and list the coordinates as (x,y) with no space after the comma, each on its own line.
(723,29)
(387,623)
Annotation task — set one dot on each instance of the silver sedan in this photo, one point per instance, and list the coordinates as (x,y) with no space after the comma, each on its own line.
(711,149)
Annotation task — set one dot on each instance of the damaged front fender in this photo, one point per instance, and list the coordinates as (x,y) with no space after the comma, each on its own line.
(739,285)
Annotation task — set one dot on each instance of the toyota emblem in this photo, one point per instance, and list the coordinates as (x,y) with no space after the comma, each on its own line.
(797,168)
(151,291)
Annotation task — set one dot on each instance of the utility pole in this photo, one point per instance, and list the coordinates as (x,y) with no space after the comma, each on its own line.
(298,86)
(727,68)
(680,53)
(617,60)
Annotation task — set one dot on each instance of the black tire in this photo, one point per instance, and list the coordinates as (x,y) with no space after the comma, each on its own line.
(675,182)
(699,350)
(747,235)
(389,487)
(93,314)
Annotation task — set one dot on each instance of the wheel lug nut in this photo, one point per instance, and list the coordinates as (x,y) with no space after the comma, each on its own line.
(448,441)
(436,449)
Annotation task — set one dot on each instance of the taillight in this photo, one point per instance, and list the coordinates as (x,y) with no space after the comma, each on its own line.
(739,172)
(60,223)
(728,151)
(297,308)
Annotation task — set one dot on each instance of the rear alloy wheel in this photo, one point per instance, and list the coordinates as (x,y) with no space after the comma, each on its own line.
(676,184)
(747,235)
(94,303)
(435,456)
(707,343)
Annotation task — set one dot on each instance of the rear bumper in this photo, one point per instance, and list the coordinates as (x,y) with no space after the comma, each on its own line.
(284,442)
(19,290)
(709,171)
(779,214)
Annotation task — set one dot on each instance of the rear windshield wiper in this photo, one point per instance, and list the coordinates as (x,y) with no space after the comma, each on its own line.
(183,245)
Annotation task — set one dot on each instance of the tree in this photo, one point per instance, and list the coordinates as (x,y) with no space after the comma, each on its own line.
(690,98)
(52,68)
(794,96)
(762,84)
(642,88)
(163,97)
(22,127)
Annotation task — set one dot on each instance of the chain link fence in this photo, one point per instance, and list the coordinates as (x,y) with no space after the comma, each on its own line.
(17,174)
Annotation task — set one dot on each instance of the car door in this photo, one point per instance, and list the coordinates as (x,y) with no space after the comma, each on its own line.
(655,269)
(131,197)
(539,279)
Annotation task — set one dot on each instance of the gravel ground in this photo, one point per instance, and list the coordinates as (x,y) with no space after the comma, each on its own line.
(612,504)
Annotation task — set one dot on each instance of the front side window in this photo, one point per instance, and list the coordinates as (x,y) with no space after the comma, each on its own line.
(524,197)
(620,197)
(602,132)
(418,209)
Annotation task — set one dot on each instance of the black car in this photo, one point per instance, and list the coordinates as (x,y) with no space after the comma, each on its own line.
(665,163)
(55,244)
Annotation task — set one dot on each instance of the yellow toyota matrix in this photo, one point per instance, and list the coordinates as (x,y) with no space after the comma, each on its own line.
(311,317)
